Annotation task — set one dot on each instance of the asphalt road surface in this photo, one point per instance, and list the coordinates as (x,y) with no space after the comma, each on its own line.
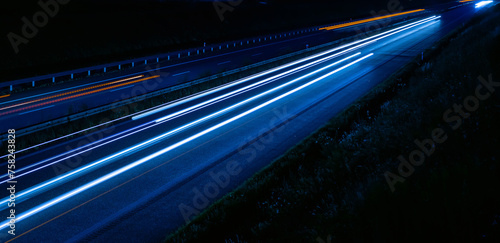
(24,109)
(143,178)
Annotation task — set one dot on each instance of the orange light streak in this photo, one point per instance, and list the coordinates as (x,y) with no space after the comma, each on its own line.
(78,95)
(70,92)
(369,20)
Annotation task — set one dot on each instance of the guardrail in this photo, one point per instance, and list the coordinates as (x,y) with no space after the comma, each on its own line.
(10,86)
(93,111)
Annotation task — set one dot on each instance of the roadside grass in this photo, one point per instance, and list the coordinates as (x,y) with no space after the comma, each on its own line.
(331,186)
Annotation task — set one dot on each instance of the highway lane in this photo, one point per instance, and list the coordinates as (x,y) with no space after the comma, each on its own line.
(69,184)
(232,84)
(294,111)
(222,94)
(172,73)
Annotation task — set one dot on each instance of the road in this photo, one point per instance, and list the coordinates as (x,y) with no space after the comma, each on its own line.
(142,178)
(24,109)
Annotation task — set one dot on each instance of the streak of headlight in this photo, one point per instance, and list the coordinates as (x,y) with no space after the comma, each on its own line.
(188,125)
(176,130)
(171,147)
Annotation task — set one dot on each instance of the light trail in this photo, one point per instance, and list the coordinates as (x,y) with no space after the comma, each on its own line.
(282,67)
(174,115)
(40,165)
(171,147)
(78,95)
(483,3)
(178,114)
(338,26)
(51,182)
(159,108)
(130,166)
(191,109)
(158,138)
(70,92)
(254,85)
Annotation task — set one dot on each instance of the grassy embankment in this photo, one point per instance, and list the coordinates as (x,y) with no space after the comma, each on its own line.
(332,185)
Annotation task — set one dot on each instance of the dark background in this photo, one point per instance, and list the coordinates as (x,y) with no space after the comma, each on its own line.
(89,32)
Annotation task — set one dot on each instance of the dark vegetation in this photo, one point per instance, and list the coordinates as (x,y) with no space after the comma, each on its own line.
(331,187)
(90,32)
